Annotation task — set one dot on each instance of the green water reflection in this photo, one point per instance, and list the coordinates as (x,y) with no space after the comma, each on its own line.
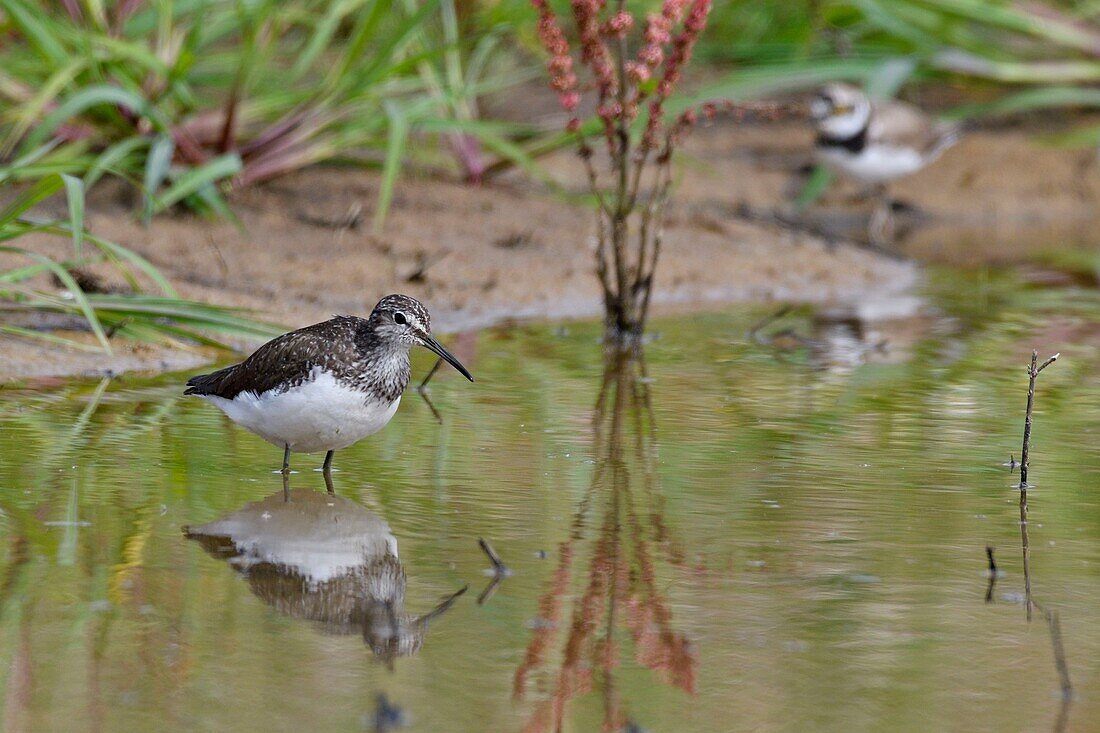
(784,532)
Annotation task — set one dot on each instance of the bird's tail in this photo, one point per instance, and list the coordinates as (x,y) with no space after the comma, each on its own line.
(200,384)
(949,133)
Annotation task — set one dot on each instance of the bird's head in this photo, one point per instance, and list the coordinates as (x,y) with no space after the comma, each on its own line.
(840,110)
(402,319)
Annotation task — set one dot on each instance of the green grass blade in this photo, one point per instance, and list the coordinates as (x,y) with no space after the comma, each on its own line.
(28,159)
(1052,97)
(1016,72)
(186,311)
(323,34)
(26,114)
(1021,21)
(213,200)
(156,170)
(361,35)
(492,135)
(891,75)
(109,158)
(129,255)
(774,79)
(196,178)
(47,336)
(34,195)
(33,24)
(395,149)
(387,52)
(74,192)
(74,289)
(86,98)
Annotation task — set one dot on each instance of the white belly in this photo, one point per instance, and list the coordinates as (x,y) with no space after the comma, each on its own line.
(318,415)
(874,164)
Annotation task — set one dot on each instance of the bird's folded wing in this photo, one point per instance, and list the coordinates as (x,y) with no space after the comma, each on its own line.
(901,125)
(284,361)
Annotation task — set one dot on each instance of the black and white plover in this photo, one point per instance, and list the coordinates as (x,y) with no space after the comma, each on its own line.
(875,143)
(325,386)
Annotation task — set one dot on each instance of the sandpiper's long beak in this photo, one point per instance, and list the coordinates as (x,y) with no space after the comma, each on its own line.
(435,346)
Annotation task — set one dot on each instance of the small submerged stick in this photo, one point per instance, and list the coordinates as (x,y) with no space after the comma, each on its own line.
(500,571)
(499,568)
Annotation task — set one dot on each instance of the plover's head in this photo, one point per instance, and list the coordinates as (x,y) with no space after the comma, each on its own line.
(401,319)
(840,110)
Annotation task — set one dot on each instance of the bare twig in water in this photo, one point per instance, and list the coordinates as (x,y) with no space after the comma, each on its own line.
(500,571)
(499,568)
(1051,616)
(1033,374)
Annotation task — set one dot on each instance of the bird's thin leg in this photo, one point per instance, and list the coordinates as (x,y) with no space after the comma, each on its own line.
(431,373)
(286,487)
(326,470)
(286,459)
(422,390)
(882,225)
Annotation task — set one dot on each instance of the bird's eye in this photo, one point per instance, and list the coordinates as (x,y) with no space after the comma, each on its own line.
(399,318)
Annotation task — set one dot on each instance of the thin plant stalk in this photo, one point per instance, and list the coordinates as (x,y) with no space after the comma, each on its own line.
(1025,452)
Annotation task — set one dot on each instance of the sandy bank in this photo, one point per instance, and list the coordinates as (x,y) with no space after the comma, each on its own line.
(512,249)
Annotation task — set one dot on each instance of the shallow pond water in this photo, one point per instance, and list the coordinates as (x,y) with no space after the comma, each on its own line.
(781,532)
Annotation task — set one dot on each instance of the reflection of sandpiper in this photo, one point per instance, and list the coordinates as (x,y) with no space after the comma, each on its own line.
(326,559)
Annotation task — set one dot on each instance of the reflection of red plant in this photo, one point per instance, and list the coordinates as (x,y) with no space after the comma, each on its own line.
(547,622)
(656,645)
(621,582)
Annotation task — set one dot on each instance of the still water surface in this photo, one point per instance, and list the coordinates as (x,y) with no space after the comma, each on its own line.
(784,532)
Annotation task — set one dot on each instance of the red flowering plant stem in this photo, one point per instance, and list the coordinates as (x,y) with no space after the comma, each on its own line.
(630,215)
